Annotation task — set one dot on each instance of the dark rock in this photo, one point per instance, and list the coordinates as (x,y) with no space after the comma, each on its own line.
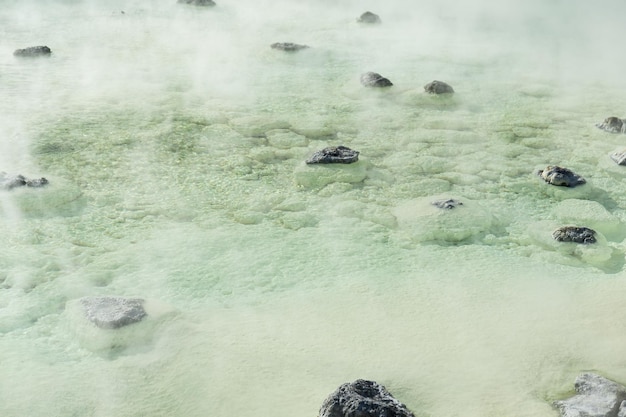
(438,87)
(363,398)
(369,17)
(8,182)
(619,157)
(613,125)
(33,51)
(288,46)
(595,396)
(198,2)
(372,79)
(447,204)
(113,312)
(575,234)
(556,175)
(334,155)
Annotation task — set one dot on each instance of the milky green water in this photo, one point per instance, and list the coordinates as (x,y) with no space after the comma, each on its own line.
(174,139)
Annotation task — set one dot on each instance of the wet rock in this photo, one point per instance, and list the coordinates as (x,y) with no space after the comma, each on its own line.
(369,17)
(556,175)
(288,46)
(113,312)
(619,157)
(334,155)
(447,204)
(363,398)
(438,87)
(206,3)
(575,234)
(613,125)
(8,182)
(33,51)
(373,79)
(595,396)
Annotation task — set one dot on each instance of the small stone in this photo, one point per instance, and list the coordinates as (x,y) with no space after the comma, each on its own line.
(363,398)
(198,2)
(613,125)
(288,46)
(113,312)
(369,17)
(619,157)
(575,234)
(334,155)
(448,204)
(438,87)
(33,51)
(373,79)
(556,175)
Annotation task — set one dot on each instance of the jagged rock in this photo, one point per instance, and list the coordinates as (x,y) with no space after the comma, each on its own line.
(438,87)
(595,396)
(613,125)
(556,175)
(288,46)
(369,17)
(33,51)
(334,155)
(8,182)
(373,79)
(447,204)
(619,157)
(575,234)
(363,398)
(198,2)
(113,312)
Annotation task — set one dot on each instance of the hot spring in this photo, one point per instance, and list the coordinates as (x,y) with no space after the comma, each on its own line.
(174,138)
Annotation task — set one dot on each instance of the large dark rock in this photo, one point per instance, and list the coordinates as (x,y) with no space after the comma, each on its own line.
(447,204)
(8,182)
(595,396)
(334,155)
(33,51)
(113,312)
(613,125)
(369,17)
(198,2)
(556,175)
(288,46)
(373,79)
(575,234)
(363,398)
(438,87)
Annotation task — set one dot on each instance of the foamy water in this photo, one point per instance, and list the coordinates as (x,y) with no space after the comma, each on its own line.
(174,139)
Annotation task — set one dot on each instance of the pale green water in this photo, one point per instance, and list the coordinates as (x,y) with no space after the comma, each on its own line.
(174,141)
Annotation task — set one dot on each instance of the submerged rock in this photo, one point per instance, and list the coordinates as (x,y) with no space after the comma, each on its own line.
(373,79)
(447,204)
(9,182)
(575,234)
(334,155)
(619,157)
(363,398)
(198,2)
(556,175)
(33,51)
(113,312)
(613,125)
(595,396)
(369,17)
(288,46)
(438,87)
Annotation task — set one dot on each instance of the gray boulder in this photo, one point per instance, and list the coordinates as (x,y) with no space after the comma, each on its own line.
(8,182)
(113,312)
(575,234)
(619,157)
(556,175)
(288,46)
(438,87)
(206,3)
(33,51)
(334,155)
(373,79)
(369,17)
(595,396)
(447,204)
(613,125)
(363,398)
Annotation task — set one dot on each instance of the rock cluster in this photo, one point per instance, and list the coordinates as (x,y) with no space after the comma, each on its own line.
(556,175)
(595,396)
(369,17)
(113,312)
(438,87)
(575,234)
(613,125)
(373,79)
(288,46)
(334,155)
(363,398)
(33,51)
(8,182)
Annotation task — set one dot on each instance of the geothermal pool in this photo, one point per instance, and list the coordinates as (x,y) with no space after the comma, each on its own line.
(174,141)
